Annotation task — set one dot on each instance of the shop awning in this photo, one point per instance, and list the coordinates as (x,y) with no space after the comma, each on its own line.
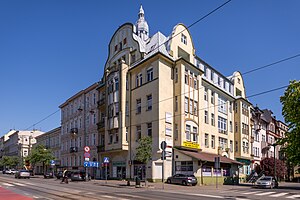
(209,157)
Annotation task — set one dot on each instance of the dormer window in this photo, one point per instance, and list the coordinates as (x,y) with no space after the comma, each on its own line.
(183,39)
(116,48)
(124,41)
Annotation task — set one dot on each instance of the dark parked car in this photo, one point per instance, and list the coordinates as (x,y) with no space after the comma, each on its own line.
(267,182)
(49,174)
(183,179)
(80,176)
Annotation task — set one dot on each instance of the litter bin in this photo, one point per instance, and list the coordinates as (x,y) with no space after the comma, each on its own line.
(137,182)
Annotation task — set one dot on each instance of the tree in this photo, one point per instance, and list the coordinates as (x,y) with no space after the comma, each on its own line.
(267,164)
(10,161)
(40,154)
(144,151)
(291,113)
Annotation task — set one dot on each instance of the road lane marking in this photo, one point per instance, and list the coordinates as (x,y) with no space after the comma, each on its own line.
(266,193)
(30,183)
(279,194)
(200,195)
(7,184)
(294,196)
(20,184)
(250,192)
(109,197)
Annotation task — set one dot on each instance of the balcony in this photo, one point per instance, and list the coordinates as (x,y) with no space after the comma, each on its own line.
(101,102)
(100,148)
(73,149)
(257,127)
(264,145)
(101,124)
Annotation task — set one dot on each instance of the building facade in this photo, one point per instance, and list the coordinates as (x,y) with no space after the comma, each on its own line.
(79,118)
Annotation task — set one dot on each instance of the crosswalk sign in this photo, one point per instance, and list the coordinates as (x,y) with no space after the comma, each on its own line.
(106,160)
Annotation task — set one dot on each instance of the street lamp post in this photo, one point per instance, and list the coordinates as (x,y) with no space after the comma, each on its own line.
(274,145)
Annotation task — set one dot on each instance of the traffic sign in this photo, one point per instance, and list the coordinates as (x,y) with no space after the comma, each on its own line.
(87,149)
(87,155)
(87,159)
(90,164)
(106,159)
(163,145)
(52,162)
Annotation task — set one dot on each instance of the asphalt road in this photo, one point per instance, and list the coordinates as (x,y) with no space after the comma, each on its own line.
(39,188)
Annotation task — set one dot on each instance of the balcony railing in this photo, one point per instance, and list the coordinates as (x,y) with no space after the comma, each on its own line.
(223,131)
(101,102)
(73,149)
(101,124)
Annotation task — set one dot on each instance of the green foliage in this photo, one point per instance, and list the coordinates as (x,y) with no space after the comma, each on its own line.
(291,112)
(40,155)
(10,161)
(144,150)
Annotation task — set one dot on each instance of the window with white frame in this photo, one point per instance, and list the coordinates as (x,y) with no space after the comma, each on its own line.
(186,77)
(206,140)
(138,132)
(222,125)
(222,105)
(213,141)
(138,106)
(149,129)
(191,106)
(231,146)
(195,108)
(149,102)
(183,39)
(149,74)
(195,82)
(188,132)
(195,134)
(212,97)
(186,105)
(206,116)
(222,143)
(205,94)
(212,119)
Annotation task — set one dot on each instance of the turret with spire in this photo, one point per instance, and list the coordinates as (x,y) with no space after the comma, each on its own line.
(142,28)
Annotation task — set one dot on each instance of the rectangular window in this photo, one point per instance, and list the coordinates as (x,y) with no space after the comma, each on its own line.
(183,39)
(186,77)
(205,71)
(138,133)
(188,132)
(149,129)
(110,138)
(195,108)
(213,141)
(126,134)
(138,106)
(212,98)
(205,94)
(94,118)
(231,146)
(236,146)
(212,119)
(117,138)
(230,126)
(222,105)
(212,76)
(127,108)
(195,134)
(206,142)
(195,82)
(186,105)
(132,55)
(149,102)
(222,125)
(176,75)
(117,109)
(222,143)
(150,74)
(191,106)
(206,116)
(124,41)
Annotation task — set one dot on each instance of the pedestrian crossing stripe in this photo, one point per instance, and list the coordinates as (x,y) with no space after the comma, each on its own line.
(265,193)
(20,184)
(278,194)
(7,184)
(294,196)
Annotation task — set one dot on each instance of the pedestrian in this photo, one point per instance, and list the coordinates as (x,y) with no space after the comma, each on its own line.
(64,176)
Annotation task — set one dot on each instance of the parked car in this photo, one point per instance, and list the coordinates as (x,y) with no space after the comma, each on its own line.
(182,179)
(267,182)
(80,176)
(48,174)
(59,174)
(22,174)
(10,171)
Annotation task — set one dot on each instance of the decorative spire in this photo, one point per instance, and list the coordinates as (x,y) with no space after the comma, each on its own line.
(142,27)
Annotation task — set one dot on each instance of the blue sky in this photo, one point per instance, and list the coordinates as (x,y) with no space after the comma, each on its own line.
(49,50)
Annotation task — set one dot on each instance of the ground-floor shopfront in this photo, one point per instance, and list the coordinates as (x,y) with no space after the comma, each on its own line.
(202,165)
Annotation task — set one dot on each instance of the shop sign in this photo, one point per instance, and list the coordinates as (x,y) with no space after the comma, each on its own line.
(192,145)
